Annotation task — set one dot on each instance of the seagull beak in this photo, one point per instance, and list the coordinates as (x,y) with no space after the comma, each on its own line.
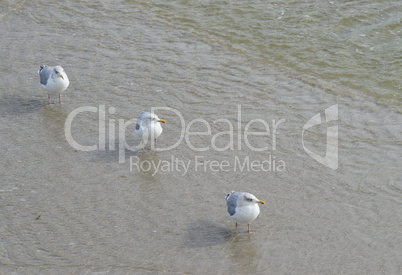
(162,121)
(62,77)
(262,202)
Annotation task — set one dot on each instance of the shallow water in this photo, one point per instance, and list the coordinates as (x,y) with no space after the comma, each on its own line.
(222,70)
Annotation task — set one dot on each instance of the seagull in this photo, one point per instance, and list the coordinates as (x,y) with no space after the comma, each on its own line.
(54,80)
(148,126)
(243,207)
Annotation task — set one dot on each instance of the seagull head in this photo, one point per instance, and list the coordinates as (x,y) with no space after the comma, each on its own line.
(59,71)
(249,199)
(156,119)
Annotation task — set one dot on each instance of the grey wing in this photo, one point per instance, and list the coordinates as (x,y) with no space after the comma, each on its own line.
(231,201)
(44,74)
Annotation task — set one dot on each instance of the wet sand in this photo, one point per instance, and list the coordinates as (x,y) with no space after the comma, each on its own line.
(112,210)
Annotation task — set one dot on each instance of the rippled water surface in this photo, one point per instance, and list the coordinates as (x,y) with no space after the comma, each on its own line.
(217,72)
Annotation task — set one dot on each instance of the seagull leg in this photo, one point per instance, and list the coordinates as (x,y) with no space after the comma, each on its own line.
(60,98)
(48,99)
(236,229)
(250,232)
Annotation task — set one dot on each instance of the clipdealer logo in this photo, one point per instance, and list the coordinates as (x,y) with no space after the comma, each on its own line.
(330,159)
(235,137)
